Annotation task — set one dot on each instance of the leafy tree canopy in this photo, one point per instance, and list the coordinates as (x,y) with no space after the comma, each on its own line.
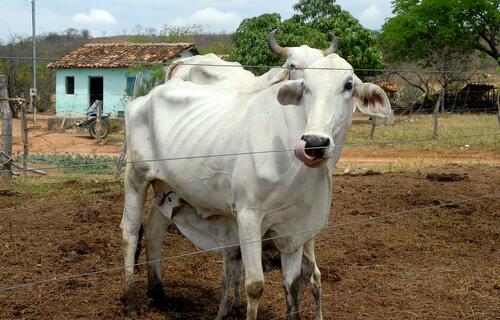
(423,30)
(310,26)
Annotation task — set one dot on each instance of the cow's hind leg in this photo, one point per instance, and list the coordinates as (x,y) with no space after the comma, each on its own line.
(230,279)
(291,265)
(154,231)
(135,195)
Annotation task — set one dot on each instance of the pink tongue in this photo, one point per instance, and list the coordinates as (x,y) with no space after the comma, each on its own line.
(300,153)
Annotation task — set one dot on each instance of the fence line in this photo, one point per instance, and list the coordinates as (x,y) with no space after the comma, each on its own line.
(126,95)
(353,145)
(193,253)
(384,286)
(149,63)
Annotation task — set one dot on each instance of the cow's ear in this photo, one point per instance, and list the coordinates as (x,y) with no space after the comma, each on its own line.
(371,99)
(291,93)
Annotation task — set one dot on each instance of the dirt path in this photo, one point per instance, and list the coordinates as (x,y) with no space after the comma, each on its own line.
(435,264)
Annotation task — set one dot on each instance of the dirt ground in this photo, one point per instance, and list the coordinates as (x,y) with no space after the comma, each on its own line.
(436,264)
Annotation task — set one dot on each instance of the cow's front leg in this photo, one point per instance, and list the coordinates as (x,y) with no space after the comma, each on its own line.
(291,265)
(131,222)
(249,226)
(314,278)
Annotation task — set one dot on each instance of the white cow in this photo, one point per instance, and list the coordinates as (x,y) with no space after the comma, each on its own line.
(263,193)
(211,70)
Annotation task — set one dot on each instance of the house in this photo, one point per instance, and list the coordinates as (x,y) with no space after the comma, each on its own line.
(107,72)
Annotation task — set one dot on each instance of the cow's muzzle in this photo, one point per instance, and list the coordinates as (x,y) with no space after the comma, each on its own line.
(312,150)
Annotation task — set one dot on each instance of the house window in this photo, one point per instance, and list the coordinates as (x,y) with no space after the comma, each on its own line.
(70,85)
(130,85)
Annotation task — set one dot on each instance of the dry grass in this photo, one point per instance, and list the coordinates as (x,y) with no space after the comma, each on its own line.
(409,128)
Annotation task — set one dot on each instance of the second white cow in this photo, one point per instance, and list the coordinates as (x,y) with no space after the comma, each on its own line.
(271,193)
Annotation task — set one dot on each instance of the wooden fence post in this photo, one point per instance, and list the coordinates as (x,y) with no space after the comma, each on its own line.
(24,134)
(123,151)
(443,98)
(498,107)
(6,164)
(436,115)
(98,125)
(374,125)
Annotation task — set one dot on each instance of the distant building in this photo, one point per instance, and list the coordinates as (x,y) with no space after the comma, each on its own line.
(102,71)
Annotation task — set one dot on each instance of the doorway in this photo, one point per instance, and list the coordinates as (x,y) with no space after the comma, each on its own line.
(96,88)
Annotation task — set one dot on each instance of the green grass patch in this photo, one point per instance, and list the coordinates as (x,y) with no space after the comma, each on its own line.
(114,140)
(70,163)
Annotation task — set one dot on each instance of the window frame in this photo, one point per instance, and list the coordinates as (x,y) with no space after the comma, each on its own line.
(67,86)
(129,89)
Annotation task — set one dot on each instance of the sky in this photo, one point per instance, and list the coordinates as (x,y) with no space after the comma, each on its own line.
(112,17)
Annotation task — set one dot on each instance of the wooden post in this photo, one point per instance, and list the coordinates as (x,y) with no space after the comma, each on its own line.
(436,115)
(6,164)
(374,125)
(98,124)
(121,159)
(24,134)
(123,151)
(443,93)
(498,107)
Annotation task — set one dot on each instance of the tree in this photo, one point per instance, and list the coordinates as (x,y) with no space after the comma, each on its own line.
(310,25)
(426,29)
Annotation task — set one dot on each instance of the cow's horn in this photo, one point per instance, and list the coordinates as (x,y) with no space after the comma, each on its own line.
(274,47)
(334,44)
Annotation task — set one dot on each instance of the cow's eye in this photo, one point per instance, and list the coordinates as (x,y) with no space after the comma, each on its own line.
(348,86)
(292,66)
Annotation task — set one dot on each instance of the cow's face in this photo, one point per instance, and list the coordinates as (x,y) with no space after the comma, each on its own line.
(329,92)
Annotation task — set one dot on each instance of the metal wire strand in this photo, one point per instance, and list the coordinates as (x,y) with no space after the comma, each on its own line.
(190,254)
(352,145)
(248,66)
(387,285)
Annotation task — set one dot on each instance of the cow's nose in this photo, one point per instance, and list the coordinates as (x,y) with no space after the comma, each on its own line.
(315,145)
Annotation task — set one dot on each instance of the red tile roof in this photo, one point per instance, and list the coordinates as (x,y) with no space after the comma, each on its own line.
(120,55)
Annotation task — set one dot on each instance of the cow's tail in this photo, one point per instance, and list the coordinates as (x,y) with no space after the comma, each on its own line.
(171,69)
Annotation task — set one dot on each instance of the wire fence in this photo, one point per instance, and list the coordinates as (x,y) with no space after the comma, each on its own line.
(227,65)
(193,253)
(382,217)
(462,262)
(236,154)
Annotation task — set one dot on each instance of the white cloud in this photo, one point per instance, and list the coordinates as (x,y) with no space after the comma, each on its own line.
(95,16)
(211,19)
(371,14)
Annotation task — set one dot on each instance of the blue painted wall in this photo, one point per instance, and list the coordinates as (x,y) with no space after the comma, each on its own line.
(75,105)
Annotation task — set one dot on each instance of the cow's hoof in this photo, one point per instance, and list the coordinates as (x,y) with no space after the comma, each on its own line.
(129,299)
(239,312)
(157,296)
(132,313)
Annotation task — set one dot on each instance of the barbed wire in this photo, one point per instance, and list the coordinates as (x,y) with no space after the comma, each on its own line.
(249,66)
(387,285)
(352,145)
(193,253)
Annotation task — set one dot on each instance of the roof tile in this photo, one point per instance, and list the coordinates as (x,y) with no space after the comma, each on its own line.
(119,55)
